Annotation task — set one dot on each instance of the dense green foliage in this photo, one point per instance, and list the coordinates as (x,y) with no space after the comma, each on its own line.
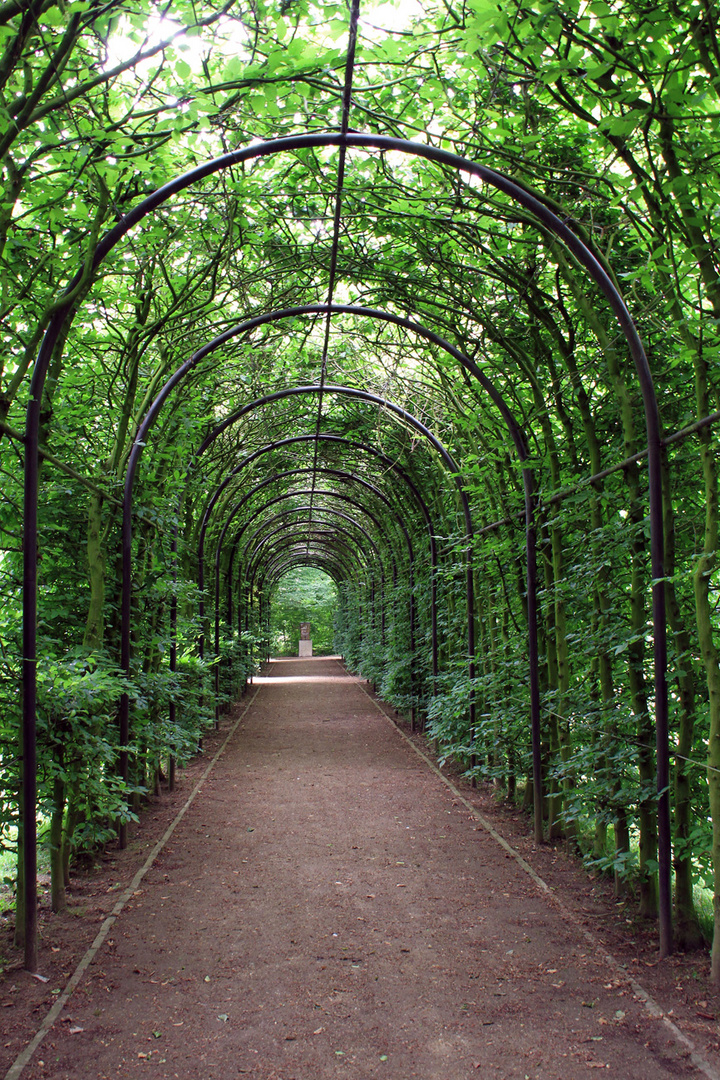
(606,110)
(303,595)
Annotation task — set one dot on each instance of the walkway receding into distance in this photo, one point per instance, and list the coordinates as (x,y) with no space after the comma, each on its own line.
(328,908)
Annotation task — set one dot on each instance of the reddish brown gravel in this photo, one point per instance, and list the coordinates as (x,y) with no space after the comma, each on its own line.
(329,908)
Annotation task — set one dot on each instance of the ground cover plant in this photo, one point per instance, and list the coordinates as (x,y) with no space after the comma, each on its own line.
(608,113)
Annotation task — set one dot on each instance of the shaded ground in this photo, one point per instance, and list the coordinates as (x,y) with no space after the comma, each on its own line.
(327,907)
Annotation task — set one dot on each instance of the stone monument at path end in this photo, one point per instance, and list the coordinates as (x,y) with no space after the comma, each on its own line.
(305,641)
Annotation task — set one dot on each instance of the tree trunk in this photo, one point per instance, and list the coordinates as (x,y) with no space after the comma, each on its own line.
(57,876)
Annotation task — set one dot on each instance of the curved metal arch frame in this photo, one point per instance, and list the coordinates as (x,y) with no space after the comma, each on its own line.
(348,477)
(266,557)
(352,479)
(596,272)
(293,531)
(447,459)
(378,494)
(330,511)
(302,556)
(280,395)
(313,560)
(412,487)
(290,494)
(290,541)
(342,498)
(453,469)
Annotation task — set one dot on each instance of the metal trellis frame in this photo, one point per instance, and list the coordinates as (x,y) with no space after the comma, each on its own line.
(59,322)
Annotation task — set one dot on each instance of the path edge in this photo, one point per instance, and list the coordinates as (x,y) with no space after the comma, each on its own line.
(25,1056)
(651,1006)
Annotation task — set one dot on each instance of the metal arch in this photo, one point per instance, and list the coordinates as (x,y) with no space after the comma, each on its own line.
(292,494)
(514,429)
(288,494)
(351,502)
(585,257)
(299,554)
(273,446)
(288,538)
(390,463)
(325,510)
(341,474)
(323,531)
(247,558)
(255,563)
(449,462)
(454,470)
(292,540)
(313,561)
(329,509)
(338,439)
(352,479)
(302,548)
(259,487)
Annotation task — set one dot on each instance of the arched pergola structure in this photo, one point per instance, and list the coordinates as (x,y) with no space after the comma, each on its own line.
(549,222)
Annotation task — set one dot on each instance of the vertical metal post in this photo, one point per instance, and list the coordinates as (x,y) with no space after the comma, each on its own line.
(173,648)
(29,741)
(413,706)
(533,659)
(125,612)
(217,641)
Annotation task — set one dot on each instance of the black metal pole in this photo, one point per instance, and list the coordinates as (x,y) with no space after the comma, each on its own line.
(29,739)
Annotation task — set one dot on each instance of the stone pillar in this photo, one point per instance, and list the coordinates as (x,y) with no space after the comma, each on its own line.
(305,641)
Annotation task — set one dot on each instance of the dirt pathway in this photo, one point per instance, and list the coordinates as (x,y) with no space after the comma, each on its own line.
(326,908)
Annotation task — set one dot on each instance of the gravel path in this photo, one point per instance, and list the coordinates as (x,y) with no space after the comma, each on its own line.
(328,908)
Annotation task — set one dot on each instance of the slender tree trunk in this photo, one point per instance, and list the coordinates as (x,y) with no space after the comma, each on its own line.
(57,876)
(94,626)
(20,896)
(72,819)
(709,653)
(687,927)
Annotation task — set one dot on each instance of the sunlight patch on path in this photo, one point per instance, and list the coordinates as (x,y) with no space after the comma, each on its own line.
(268,680)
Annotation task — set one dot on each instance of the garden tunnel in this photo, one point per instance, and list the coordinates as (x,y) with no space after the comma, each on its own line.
(400,502)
